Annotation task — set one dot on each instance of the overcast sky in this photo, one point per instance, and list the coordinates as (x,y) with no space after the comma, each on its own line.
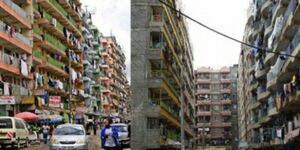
(210,49)
(113,16)
(227,16)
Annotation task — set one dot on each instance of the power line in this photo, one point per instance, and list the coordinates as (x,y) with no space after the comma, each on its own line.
(224,35)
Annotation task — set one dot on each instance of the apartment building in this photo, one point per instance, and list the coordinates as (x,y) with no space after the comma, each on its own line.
(57,57)
(216,108)
(114,81)
(92,59)
(16,76)
(268,82)
(161,77)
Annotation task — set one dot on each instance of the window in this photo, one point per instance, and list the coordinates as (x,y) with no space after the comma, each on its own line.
(156,14)
(5,123)
(156,40)
(152,123)
(19,124)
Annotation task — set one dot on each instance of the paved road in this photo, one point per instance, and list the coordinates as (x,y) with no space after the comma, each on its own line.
(94,144)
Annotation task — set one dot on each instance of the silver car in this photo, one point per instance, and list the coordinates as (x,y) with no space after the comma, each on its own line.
(69,137)
(122,129)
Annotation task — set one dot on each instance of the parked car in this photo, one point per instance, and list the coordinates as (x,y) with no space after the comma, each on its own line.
(13,132)
(69,136)
(123,134)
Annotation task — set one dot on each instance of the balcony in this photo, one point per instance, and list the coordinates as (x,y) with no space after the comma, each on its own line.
(226,90)
(204,113)
(55,9)
(221,125)
(253,103)
(201,125)
(203,91)
(225,80)
(68,8)
(17,16)
(15,42)
(203,80)
(203,102)
(266,7)
(53,45)
(169,109)
(263,96)
(51,25)
(11,64)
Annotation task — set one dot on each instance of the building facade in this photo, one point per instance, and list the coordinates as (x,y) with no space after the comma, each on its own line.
(161,77)
(114,82)
(268,82)
(52,62)
(16,77)
(216,108)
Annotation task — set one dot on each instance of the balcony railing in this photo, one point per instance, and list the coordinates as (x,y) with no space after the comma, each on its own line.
(37,53)
(37,30)
(54,62)
(19,37)
(62,10)
(169,109)
(55,42)
(10,60)
(17,9)
(160,74)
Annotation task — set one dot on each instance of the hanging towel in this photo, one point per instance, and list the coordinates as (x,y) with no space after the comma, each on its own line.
(24,69)
(6,88)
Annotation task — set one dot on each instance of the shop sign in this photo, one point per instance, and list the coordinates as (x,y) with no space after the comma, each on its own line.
(27,100)
(54,101)
(7,100)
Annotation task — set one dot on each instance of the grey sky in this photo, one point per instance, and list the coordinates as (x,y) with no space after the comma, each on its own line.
(210,49)
(227,16)
(113,16)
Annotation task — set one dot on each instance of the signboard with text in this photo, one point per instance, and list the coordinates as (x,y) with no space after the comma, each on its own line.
(7,100)
(54,101)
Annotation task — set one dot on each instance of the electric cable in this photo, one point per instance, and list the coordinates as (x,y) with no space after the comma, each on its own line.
(222,34)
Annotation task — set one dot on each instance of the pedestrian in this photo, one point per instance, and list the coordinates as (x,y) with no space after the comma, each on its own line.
(109,136)
(45,130)
(95,127)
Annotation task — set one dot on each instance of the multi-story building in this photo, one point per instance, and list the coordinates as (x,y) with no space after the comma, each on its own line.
(15,55)
(267,81)
(57,56)
(161,77)
(216,115)
(92,60)
(114,81)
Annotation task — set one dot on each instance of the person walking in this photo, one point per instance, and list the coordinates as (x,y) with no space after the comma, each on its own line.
(95,127)
(45,130)
(109,136)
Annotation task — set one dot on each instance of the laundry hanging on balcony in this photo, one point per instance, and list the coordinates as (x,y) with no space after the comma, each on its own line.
(24,68)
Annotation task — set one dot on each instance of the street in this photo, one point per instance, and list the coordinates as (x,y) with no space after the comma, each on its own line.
(94,144)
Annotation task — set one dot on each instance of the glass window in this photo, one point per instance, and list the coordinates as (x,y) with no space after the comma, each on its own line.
(5,123)
(121,128)
(69,131)
(18,124)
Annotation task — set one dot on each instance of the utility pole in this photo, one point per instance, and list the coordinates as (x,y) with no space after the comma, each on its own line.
(70,86)
(182,113)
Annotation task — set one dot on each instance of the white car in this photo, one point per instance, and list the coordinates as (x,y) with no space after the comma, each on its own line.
(69,136)
(122,129)
(13,132)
